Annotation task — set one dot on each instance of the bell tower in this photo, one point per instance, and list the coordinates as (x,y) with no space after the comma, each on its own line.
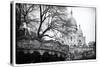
(80,31)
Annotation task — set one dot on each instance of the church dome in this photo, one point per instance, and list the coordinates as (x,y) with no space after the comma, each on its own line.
(71,22)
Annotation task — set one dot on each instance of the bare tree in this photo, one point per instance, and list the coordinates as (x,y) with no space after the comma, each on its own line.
(22,15)
(55,21)
(53,17)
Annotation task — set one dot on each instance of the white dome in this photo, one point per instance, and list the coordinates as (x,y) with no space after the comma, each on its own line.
(71,22)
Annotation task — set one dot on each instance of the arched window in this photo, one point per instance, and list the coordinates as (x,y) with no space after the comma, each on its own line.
(79,40)
(71,38)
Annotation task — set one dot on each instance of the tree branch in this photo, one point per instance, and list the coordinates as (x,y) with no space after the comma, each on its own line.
(40,21)
(48,36)
(28,10)
(45,11)
(45,31)
(44,19)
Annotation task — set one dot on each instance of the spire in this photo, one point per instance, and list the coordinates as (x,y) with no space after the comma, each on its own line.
(71,12)
(79,26)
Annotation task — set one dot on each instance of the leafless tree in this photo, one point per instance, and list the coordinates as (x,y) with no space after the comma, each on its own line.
(53,17)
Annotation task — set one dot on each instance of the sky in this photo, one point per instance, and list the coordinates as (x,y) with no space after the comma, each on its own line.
(86,18)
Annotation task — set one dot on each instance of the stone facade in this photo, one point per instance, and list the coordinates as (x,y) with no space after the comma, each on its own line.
(73,34)
(72,38)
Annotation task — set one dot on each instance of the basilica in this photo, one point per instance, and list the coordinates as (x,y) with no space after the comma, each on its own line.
(74,35)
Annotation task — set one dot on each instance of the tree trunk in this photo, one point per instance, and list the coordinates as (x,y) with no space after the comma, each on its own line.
(38,32)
